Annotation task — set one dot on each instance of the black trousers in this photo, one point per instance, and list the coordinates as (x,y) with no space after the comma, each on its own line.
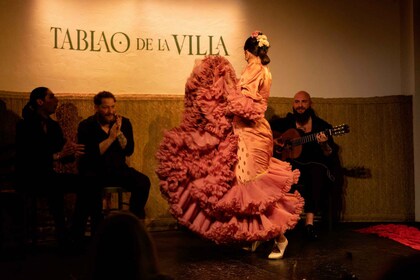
(130,179)
(133,181)
(54,186)
(314,184)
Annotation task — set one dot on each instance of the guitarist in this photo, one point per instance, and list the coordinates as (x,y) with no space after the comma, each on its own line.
(317,160)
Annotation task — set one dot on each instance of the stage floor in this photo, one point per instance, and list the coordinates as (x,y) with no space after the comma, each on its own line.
(340,253)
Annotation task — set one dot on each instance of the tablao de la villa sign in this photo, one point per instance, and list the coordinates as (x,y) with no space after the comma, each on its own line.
(120,42)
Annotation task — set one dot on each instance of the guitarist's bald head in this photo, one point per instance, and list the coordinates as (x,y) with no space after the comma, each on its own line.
(302,101)
(303,95)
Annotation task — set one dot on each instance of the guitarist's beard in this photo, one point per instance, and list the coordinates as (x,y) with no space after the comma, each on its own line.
(303,118)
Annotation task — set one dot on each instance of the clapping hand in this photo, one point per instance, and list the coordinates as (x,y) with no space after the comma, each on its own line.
(116,127)
(72,149)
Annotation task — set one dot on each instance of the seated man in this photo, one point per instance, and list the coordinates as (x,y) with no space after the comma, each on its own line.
(108,139)
(317,160)
(39,144)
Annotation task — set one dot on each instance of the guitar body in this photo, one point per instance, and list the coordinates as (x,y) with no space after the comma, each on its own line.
(283,147)
(288,145)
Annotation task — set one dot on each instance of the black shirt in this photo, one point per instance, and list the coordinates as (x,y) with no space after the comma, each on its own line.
(113,160)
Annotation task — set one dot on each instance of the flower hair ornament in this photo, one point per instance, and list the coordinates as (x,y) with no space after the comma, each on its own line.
(261,39)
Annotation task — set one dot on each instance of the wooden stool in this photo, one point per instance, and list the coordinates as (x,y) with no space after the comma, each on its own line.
(109,195)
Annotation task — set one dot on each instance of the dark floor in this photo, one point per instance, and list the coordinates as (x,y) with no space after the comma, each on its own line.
(340,253)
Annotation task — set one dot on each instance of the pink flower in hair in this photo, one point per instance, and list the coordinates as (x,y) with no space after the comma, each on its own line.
(256,33)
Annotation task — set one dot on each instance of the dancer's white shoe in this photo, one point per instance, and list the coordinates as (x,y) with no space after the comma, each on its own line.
(278,249)
(253,247)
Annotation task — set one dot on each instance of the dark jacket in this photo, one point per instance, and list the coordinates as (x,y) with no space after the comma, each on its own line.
(35,147)
(312,154)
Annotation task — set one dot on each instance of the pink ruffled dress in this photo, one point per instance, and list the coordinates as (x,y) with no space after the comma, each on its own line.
(216,168)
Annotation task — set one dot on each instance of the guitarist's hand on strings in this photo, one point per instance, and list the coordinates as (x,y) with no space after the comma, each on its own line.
(278,142)
(322,140)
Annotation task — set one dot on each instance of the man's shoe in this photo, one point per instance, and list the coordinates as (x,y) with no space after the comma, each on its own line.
(311,233)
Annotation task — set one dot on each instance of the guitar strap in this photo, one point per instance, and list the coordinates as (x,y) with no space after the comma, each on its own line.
(330,176)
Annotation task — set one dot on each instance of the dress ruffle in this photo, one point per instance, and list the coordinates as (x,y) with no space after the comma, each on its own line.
(197,163)
(246,107)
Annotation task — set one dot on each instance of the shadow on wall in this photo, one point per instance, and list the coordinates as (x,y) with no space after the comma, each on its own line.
(156,133)
(269,113)
(8,120)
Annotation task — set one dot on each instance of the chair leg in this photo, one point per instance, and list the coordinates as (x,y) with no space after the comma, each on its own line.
(34,220)
(330,212)
(30,218)
(120,199)
(108,203)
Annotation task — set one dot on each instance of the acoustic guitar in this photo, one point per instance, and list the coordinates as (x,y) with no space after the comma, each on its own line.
(289,144)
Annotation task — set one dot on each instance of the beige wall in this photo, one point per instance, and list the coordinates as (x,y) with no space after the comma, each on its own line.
(329,48)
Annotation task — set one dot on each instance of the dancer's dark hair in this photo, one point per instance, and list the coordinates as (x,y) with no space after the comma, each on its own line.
(258,45)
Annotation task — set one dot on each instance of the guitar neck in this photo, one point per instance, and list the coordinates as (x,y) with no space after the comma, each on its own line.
(307,138)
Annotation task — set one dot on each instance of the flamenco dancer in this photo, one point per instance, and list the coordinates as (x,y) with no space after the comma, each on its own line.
(216,169)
